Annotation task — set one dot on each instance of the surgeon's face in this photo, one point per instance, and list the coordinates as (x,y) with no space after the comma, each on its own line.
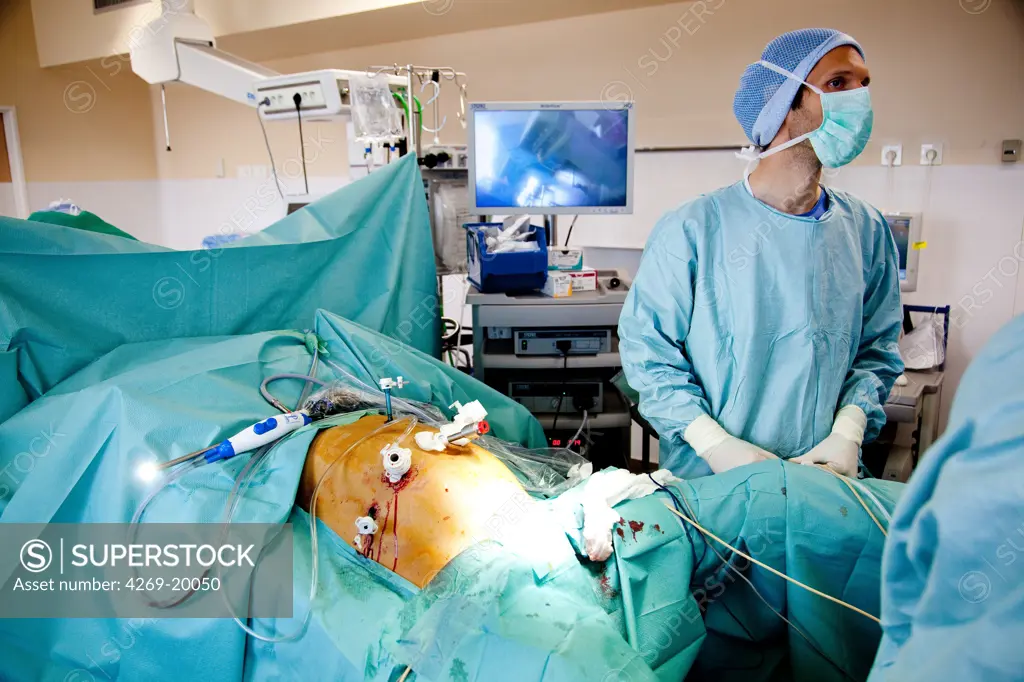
(841,69)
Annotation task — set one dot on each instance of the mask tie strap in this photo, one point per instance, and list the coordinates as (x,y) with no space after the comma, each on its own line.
(789,74)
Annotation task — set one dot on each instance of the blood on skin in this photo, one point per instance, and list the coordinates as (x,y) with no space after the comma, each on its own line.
(372,512)
(383,527)
(403,482)
(368,547)
(398,487)
(394,527)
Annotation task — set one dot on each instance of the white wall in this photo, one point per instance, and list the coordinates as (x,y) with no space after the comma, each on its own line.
(7,207)
(130,205)
(193,209)
(174,213)
(973,223)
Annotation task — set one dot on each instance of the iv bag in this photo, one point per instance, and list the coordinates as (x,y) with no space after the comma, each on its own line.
(450,212)
(375,117)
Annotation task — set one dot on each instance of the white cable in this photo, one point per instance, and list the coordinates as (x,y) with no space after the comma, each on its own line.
(768,568)
(580,430)
(757,592)
(845,480)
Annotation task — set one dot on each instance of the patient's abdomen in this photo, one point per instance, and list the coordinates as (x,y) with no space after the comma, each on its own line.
(446,503)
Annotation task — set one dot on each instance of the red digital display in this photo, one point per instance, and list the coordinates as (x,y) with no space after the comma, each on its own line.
(557,442)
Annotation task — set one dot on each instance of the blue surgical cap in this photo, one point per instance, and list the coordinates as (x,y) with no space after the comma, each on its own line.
(765,97)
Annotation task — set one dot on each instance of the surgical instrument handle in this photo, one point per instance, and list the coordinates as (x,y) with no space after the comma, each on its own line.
(259,434)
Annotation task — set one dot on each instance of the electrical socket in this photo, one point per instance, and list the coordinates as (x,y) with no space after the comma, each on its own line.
(890,149)
(926,150)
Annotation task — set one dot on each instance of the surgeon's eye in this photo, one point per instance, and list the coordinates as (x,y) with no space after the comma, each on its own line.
(837,83)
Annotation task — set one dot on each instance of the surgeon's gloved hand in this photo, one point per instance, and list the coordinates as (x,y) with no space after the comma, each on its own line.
(841,449)
(604,490)
(721,451)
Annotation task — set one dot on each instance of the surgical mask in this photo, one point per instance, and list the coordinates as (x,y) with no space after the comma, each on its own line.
(845,128)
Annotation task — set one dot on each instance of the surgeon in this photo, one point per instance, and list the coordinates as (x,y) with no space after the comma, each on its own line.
(953,565)
(763,321)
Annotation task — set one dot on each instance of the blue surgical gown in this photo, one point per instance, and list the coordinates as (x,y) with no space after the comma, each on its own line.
(953,567)
(765,321)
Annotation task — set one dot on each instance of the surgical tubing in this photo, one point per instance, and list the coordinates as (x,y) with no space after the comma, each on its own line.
(168,480)
(555,462)
(252,467)
(871,496)
(398,403)
(579,430)
(312,379)
(308,378)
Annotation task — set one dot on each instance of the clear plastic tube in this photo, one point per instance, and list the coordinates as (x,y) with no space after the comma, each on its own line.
(426,414)
(871,496)
(583,423)
(542,471)
(168,480)
(173,477)
(242,484)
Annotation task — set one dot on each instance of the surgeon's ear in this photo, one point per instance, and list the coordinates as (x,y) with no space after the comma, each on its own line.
(798,101)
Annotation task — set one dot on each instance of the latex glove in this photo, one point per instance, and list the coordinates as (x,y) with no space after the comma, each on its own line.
(721,451)
(841,449)
(604,490)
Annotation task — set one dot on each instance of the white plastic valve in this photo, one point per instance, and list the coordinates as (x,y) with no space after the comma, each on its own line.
(366,525)
(470,413)
(388,383)
(397,462)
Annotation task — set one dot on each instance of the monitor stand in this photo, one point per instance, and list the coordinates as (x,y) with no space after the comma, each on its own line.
(551,227)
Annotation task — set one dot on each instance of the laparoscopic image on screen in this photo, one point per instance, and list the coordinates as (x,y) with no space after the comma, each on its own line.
(551,158)
(901,233)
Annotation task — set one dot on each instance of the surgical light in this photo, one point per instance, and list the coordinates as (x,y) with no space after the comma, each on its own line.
(146,472)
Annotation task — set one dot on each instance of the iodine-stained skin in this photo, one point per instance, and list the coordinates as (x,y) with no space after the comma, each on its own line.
(445,503)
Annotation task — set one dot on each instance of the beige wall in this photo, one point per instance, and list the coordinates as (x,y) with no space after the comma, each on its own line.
(69,31)
(940,74)
(90,121)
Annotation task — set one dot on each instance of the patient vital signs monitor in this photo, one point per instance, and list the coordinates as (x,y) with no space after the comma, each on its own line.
(551,158)
(906,230)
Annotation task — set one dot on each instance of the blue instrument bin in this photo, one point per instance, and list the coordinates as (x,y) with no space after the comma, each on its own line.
(494,273)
